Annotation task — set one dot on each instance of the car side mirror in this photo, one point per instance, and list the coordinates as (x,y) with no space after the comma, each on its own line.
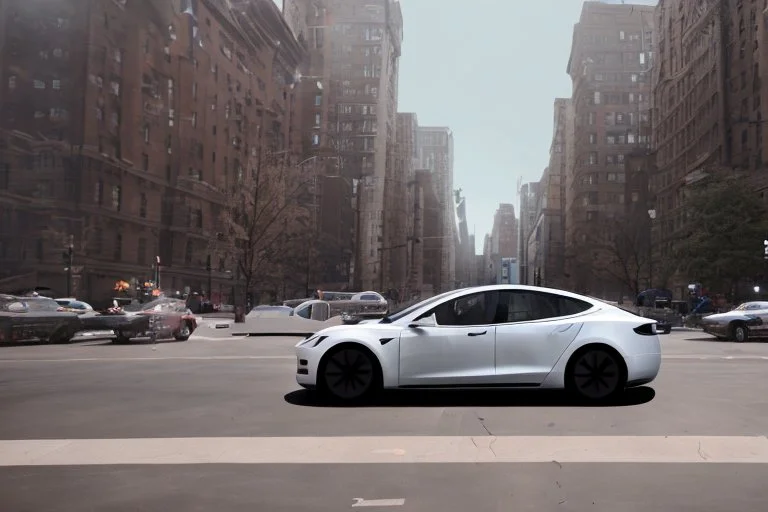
(427,321)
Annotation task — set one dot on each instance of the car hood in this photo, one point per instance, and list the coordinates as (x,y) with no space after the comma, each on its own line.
(730,315)
(359,331)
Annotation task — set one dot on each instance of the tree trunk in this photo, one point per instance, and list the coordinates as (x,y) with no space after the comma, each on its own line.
(241,299)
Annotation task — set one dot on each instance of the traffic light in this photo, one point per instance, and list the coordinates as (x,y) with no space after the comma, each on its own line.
(765,251)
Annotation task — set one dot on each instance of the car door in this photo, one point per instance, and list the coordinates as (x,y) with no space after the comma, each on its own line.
(459,350)
(533,329)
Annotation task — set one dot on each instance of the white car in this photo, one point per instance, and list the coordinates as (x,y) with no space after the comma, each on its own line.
(500,336)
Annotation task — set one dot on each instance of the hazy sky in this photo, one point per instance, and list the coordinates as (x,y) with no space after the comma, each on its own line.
(490,70)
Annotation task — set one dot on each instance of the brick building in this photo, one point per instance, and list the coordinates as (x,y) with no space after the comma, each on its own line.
(709,103)
(609,66)
(435,152)
(349,91)
(134,118)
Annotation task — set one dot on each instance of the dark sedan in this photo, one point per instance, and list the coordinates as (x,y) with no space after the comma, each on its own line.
(26,319)
(162,318)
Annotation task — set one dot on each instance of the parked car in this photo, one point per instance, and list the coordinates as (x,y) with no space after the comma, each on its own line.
(24,319)
(749,320)
(162,318)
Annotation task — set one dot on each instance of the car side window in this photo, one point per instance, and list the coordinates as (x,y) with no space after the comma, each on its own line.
(474,309)
(526,306)
(305,313)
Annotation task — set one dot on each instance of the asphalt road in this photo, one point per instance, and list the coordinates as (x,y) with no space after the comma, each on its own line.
(205,425)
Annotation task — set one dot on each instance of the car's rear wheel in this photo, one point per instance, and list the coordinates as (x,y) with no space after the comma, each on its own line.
(349,374)
(596,374)
(184,332)
(740,332)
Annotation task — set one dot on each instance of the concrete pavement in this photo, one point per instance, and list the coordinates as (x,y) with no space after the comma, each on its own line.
(693,440)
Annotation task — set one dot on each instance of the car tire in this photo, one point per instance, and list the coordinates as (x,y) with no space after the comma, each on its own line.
(60,336)
(739,333)
(349,374)
(121,339)
(184,332)
(668,330)
(596,374)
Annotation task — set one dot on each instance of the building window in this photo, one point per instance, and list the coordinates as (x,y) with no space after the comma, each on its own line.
(117,197)
(630,138)
(622,35)
(611,176)
(318,100)
(56,84)
(145,161)
(141,251)
(118,247)
(38,84)
(315,139)
(592,118)
(317,120)
(596,98)
(189,252)
(635,197)
(146,134)
(12,82)
(98,193)
(593,138)
(194,119)
(592,159)
(143,205)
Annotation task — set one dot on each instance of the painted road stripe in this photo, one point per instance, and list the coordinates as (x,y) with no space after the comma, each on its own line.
(293,358)
(384,450)
(168,358)
(397,502)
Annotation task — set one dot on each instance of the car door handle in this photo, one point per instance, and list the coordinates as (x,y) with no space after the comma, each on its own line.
(476,333)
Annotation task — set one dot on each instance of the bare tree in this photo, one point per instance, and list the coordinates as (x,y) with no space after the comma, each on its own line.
(621,252)
(264,214)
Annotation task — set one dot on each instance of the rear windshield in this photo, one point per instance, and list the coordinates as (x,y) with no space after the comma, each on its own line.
(41,304)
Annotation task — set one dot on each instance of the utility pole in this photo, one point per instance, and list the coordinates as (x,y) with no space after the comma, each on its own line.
(209,270)
(68,257)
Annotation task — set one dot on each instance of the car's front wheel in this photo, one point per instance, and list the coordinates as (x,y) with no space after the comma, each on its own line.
(184,332)
(348,374)
(740,333)
(596,374)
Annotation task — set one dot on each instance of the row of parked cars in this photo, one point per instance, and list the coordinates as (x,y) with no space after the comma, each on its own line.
(42,319)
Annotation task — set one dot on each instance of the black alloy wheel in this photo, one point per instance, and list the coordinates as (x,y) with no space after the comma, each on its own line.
(596,375)
(349,374)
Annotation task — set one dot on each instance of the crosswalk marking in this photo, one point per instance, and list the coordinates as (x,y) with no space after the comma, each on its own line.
(386,450)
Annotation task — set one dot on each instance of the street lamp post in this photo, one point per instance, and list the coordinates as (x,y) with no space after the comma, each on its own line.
(652,216)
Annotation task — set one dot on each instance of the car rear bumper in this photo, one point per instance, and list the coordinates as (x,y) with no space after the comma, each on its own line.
(643,368)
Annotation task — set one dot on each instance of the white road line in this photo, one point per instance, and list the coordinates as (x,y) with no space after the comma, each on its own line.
(235,358)
(386,450)
(360,502)
(168,358)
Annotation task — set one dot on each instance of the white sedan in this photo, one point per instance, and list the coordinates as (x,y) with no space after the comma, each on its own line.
(500,336)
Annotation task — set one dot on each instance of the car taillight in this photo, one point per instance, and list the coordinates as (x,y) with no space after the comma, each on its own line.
(646,330)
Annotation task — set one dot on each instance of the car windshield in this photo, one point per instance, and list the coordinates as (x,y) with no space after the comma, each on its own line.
(40,304)
(752,305)
(410,309)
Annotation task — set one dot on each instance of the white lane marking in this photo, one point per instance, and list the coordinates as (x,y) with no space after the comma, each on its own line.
(168,358)
(360,502)
(372,450)
(715,357)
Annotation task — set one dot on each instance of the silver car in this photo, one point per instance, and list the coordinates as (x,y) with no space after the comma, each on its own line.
(749,320)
